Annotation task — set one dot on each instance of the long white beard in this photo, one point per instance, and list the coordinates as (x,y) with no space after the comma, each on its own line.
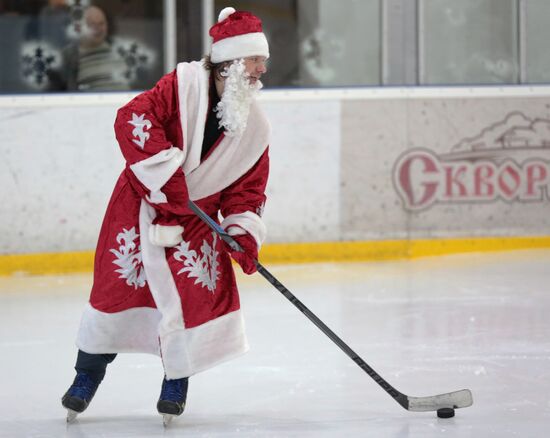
(238,94)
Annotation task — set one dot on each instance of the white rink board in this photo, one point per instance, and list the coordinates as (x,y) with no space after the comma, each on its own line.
(333,157)
(466,135)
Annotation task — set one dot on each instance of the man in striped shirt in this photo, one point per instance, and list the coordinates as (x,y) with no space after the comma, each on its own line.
(91,64)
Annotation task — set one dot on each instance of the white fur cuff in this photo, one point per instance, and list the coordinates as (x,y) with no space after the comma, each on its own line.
(165,235)
(155,171)
(248,221)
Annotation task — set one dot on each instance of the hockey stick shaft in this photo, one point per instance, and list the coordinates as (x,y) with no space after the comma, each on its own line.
(457,399)
(398,396)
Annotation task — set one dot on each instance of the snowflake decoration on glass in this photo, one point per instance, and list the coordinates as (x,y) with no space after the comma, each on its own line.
(38,61)
(312,49)
(128,257)
(202,267)
(77,8)
(134,57)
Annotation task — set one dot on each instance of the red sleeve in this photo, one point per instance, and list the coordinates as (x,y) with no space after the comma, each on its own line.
(153,163)
(248,192)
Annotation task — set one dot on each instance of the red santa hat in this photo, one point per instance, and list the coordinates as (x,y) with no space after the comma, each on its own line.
(237,34)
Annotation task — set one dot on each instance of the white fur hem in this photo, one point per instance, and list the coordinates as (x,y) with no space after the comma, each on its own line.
(133,330)
(184,351)
(204,346)
(248,221)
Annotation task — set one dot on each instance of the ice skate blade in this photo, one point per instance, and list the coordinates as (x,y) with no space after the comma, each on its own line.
(167,419)
(71,415)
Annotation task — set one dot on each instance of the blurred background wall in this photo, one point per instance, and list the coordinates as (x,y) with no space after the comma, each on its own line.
(392,119)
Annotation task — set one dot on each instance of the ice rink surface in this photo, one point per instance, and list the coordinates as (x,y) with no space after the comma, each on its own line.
(428,326)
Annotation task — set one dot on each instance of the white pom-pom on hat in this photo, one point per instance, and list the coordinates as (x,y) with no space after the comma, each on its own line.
(226,12)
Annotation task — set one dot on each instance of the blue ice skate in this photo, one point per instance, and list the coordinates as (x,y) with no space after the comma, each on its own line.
(79,395)
(172,398)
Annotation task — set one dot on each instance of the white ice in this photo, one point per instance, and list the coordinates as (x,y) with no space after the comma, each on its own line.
(428,326)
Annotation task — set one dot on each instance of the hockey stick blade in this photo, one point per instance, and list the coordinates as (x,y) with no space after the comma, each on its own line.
(457,399)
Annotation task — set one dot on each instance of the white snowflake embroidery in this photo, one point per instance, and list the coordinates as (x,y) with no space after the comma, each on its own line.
(204,268)
(128,257)
(140,123)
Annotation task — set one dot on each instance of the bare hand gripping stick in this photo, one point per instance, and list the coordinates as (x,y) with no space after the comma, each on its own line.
(456,399)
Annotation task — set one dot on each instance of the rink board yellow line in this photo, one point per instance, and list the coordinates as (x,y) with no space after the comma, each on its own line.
(47,263)
(73,262)
(393,249)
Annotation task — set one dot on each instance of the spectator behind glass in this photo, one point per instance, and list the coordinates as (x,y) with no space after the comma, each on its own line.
(90,64)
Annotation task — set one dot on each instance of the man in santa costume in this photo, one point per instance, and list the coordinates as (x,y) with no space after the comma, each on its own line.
(163,282)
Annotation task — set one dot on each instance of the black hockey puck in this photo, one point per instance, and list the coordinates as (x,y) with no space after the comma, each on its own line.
(446,413)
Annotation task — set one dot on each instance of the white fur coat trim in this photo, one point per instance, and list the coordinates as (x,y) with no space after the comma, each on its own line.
(182,351)
(234,156)
(185,351)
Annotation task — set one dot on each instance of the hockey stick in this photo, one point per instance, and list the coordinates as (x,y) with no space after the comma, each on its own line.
(456,399)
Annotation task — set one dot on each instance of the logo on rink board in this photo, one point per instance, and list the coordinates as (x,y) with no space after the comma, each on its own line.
(508,161)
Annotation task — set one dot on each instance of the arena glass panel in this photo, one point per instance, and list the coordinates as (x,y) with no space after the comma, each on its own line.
(468,42)
(537,35)
(316,43)
(59,45)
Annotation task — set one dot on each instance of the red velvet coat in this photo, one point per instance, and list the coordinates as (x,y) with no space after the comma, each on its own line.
(182,301)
